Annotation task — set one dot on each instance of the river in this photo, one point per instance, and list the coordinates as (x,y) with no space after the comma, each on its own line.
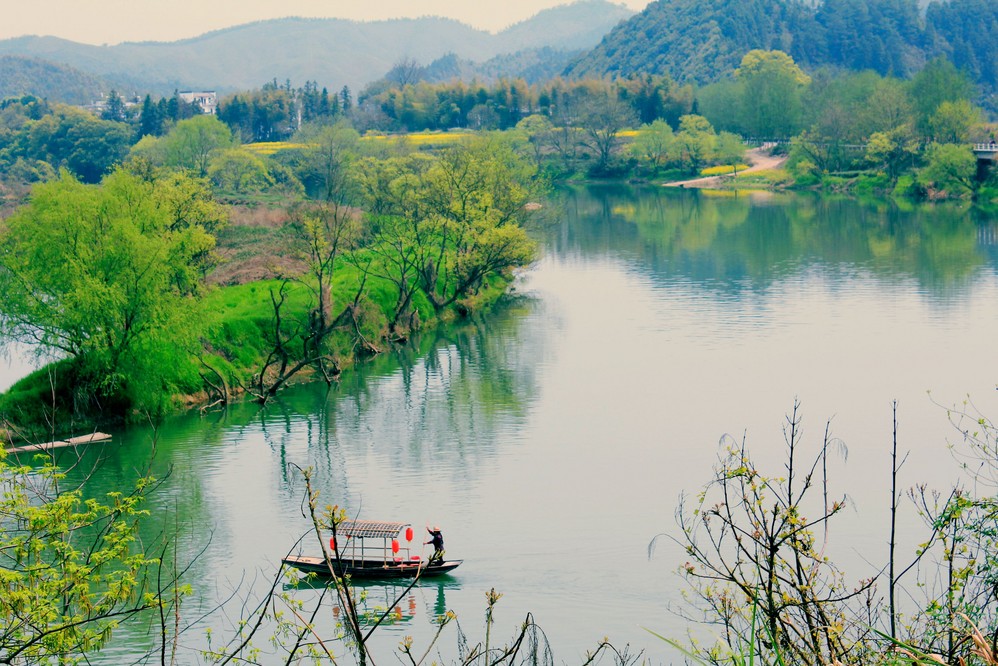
(553,438)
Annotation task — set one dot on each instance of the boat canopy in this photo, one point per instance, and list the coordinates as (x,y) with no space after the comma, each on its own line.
(374,529)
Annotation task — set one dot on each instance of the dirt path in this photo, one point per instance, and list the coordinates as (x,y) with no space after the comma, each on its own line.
(759,159)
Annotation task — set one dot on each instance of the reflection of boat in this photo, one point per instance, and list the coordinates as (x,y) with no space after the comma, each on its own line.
(372,549)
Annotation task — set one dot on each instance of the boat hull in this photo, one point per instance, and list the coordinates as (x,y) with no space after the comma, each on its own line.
(370,570)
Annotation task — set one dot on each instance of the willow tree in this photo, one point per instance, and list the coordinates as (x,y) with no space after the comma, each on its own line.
(476,195)
(109,276)
(448,225)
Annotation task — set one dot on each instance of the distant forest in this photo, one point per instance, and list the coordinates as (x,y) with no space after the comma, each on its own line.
(703,40)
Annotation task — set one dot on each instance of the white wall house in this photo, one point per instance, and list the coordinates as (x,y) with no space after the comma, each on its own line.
(206,99)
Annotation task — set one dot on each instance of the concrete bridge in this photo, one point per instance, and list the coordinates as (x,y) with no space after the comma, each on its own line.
(986,153)
(987,156)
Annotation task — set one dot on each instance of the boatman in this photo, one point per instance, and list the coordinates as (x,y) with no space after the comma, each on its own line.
(437,539)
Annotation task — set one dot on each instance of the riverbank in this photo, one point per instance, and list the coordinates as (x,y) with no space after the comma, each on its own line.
(759,159)
(236,360)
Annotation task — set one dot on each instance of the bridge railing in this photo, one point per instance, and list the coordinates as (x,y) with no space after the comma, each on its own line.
(990,147)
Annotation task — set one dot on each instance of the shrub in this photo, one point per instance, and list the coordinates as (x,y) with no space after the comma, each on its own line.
(723,170)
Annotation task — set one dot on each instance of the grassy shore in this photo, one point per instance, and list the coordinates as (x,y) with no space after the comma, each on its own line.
(237,315)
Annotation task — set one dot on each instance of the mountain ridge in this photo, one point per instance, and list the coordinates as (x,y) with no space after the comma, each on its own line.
(332,52)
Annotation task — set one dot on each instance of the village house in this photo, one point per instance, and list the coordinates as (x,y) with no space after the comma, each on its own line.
(206,100)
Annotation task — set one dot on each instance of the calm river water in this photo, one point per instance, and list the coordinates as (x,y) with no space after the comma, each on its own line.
(553,438)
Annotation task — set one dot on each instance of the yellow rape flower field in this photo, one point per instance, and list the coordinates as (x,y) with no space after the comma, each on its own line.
(271,147)
(418,139)
(422,139)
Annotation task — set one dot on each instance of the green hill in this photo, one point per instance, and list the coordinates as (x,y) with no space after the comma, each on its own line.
(21,75)
(702,40)
(692,40)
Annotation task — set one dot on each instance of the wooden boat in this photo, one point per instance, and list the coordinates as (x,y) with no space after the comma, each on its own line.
(370,549)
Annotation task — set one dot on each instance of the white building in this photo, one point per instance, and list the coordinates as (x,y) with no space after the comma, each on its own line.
(207,100)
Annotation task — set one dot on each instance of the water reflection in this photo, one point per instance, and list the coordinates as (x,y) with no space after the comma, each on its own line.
(734,241)
(397,602)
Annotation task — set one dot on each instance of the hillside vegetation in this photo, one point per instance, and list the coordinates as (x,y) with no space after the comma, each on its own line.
(21,75)
(702,40)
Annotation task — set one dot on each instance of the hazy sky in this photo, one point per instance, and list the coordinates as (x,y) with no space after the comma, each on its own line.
(113,21)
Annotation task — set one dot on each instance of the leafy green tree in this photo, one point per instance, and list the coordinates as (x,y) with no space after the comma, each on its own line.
(939,81)
(654,143)
(149,150)
(325,167)
(187,204)
(695,142)
(953,121)
(393,238)
(475,196)
(719,102)
(109,276)
(834,104)
(952,169)
(808,154)
(889,106)
(238,171)
(76,140)
(771,96)
(656,97)
(893,150)
(729,149)
(538,130)
(448,225)
(192,143)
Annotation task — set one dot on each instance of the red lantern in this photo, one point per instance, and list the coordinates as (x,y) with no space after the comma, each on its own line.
(408,534)
(395,545)
(332,544)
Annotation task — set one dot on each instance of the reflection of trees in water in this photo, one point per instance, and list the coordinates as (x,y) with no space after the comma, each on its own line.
(446,392)
(455,394)
(729,241)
